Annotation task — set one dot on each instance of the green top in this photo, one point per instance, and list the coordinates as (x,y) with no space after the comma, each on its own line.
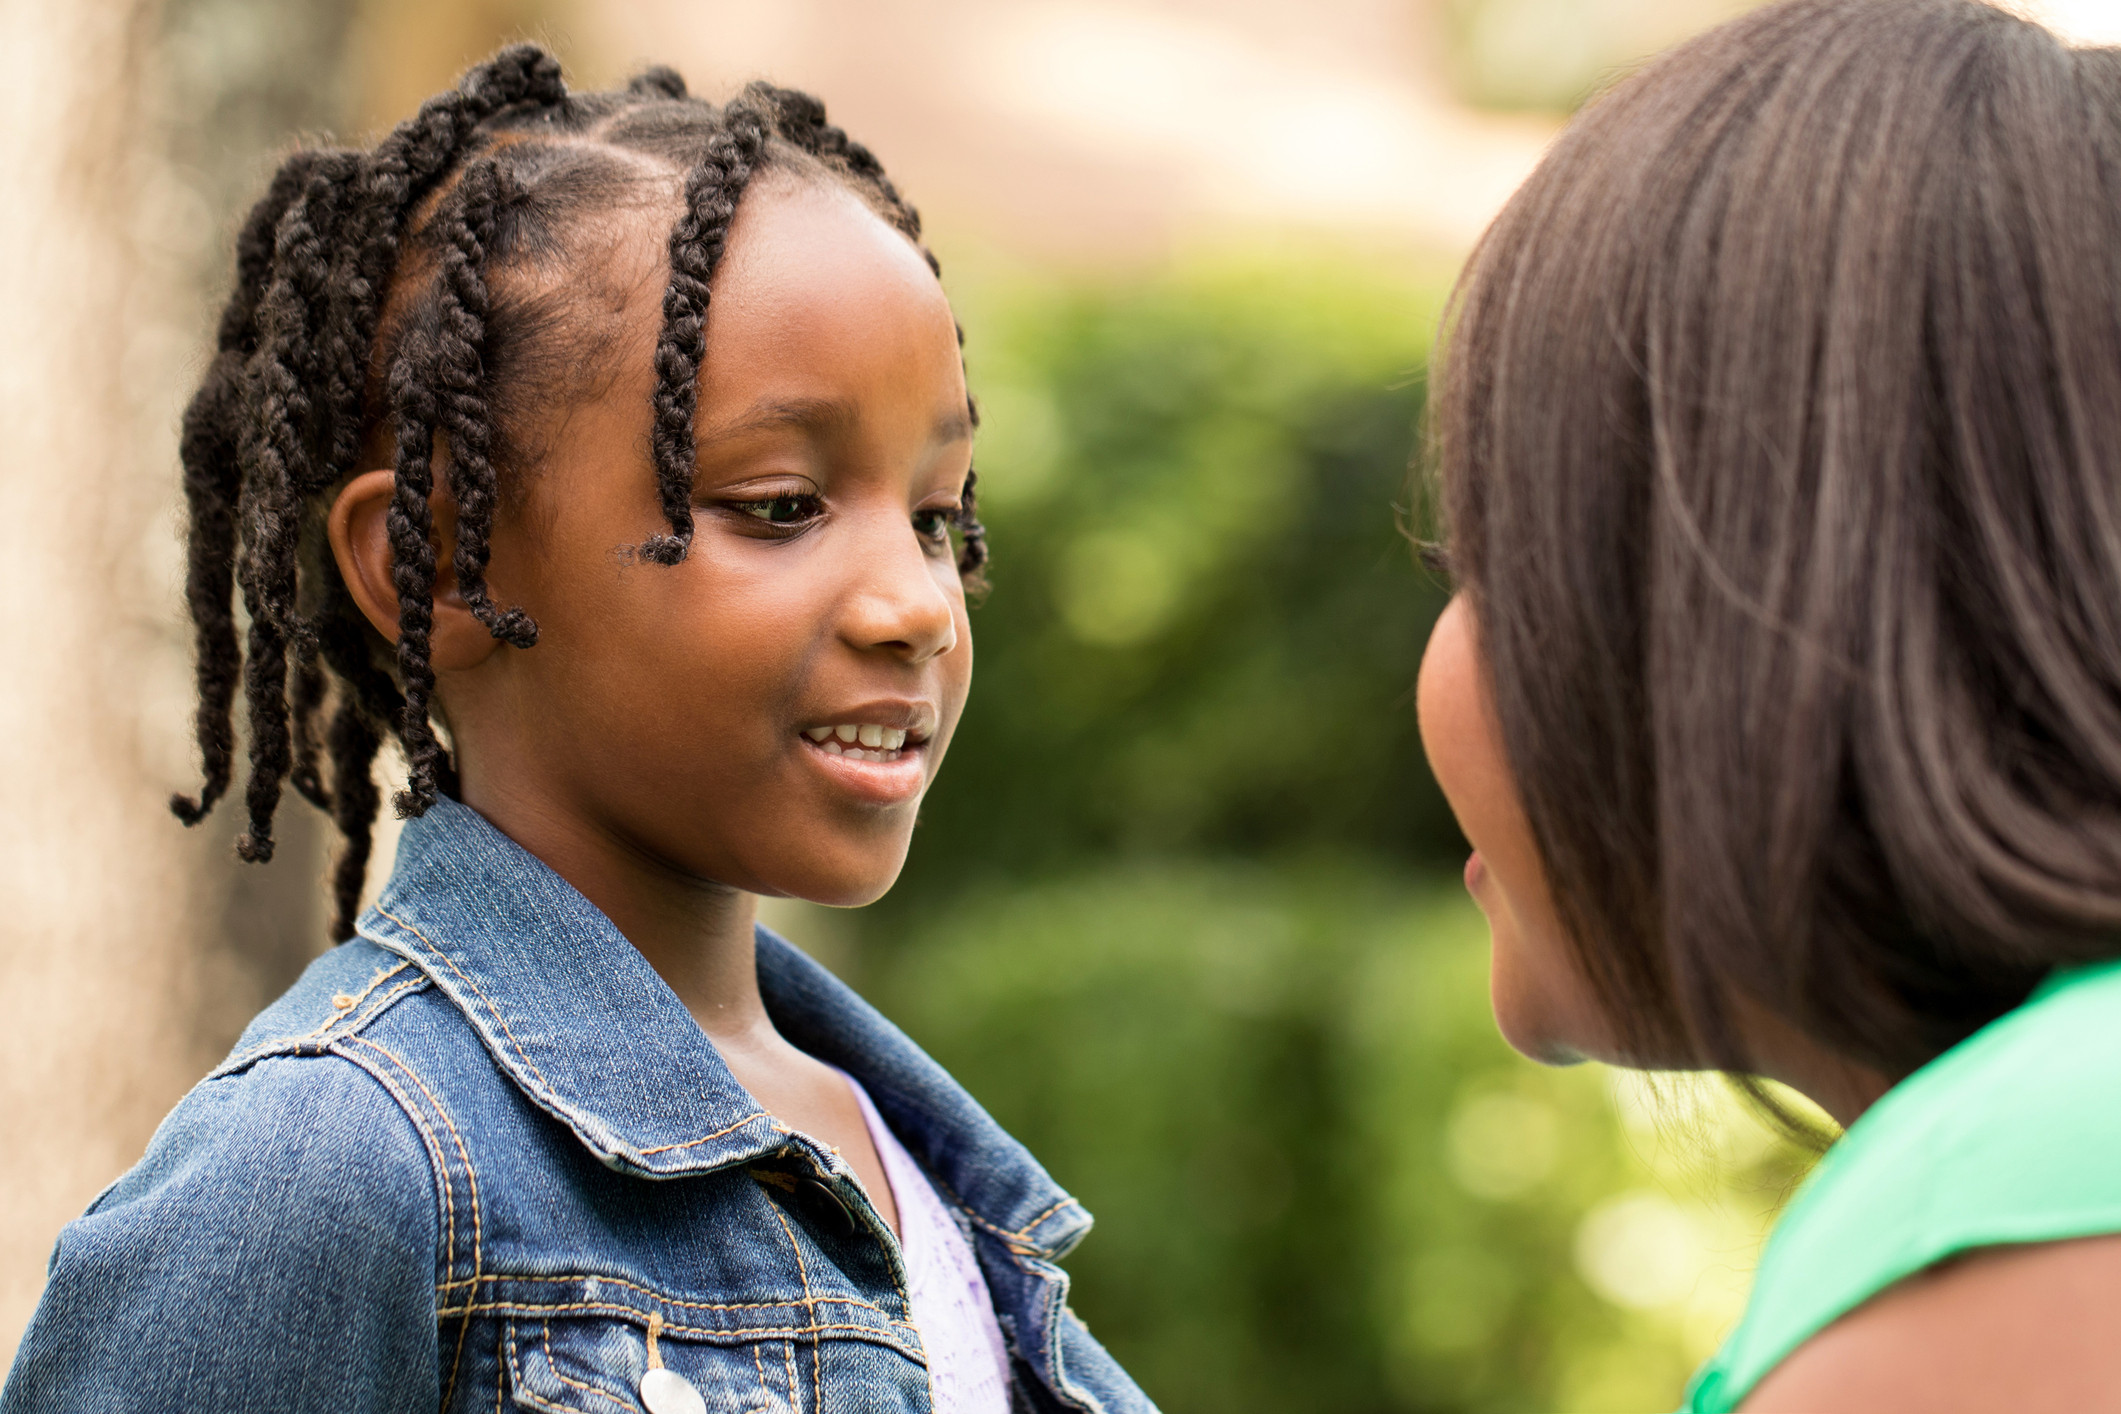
(2013,1135)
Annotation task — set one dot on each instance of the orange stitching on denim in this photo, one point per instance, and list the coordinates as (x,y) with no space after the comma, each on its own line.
(554,1367)
(707,1138)
(523,1390)
(703,1332)
(501,1369)
(375,1009)
(435,1155)
(278,1045)
(760,1366)
(495,1012)
(1016,1242)
(498,1278)
(1022,1238)
(802,1271)
(436,949)
(382,975)
(471,1175)
(1032,1226)
(471,1179)
(1019,1242)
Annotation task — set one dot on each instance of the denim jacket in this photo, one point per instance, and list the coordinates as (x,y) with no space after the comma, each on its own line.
(480,1156)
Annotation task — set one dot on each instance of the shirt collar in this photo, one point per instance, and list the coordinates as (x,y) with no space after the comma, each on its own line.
(580,1022)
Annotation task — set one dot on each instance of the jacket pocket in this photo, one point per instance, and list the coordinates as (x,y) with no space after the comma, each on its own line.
(595,1366)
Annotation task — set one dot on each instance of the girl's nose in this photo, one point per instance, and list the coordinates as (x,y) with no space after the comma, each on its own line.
(896,604)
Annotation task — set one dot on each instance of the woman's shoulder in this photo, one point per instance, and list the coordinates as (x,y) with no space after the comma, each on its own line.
(2011,1137)
(2025,1328)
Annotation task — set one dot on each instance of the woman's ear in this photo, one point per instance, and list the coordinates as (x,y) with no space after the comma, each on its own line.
(359,528)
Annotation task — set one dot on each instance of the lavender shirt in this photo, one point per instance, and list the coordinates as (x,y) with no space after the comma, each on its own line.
(968,1366)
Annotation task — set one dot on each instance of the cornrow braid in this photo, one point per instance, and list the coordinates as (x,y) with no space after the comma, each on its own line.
(712,192)
(365,318)
(460,343)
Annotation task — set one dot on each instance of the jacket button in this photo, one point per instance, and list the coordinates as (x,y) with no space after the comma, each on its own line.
(666,1391)
(854,1227)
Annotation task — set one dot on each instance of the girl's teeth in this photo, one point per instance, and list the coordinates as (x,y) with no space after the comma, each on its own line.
(884,741)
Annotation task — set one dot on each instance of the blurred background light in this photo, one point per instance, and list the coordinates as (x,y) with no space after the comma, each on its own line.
(2092,22)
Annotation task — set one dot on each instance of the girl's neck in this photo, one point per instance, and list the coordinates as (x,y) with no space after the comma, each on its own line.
(696,934)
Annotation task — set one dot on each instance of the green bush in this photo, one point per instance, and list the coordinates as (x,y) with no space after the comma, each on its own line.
(1322,1181)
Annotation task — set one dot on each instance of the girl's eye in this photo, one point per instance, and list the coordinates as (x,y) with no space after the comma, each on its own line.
(934,525)
(781,510)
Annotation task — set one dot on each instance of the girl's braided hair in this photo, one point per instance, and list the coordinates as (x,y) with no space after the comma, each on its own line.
(371,310)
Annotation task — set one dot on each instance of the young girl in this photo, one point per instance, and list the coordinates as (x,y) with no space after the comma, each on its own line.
(556,1125)
(1780,434)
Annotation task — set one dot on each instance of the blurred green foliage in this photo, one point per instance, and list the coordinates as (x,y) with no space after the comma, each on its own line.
(1180,912)
(1204,623)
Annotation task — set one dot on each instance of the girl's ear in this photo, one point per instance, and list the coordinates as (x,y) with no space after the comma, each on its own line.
(360,541)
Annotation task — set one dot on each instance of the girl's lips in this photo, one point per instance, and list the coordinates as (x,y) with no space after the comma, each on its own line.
(878,782)
(1476,870)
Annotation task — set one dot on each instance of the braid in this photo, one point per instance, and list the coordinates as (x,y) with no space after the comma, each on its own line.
(354,797)
(368,701)
(307,703)
(658,81)
(275,458)
(972,536)
(413,555)
(712,192)
(460,345)
(208,449)
(426,146)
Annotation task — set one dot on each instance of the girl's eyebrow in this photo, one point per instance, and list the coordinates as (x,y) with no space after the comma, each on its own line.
(815,415)
(819,417)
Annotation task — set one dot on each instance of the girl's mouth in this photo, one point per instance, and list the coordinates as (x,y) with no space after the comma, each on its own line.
(882,765)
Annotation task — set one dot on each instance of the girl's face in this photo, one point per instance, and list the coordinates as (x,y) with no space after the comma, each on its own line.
(1543,1004)
(696,716)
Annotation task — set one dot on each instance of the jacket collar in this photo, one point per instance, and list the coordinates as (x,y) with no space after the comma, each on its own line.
(580,1022)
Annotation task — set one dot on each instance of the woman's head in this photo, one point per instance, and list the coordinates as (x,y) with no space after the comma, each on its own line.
(488,342)
(1780,434)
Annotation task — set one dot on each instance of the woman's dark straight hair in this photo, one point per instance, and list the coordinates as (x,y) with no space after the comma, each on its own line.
(1779,428)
